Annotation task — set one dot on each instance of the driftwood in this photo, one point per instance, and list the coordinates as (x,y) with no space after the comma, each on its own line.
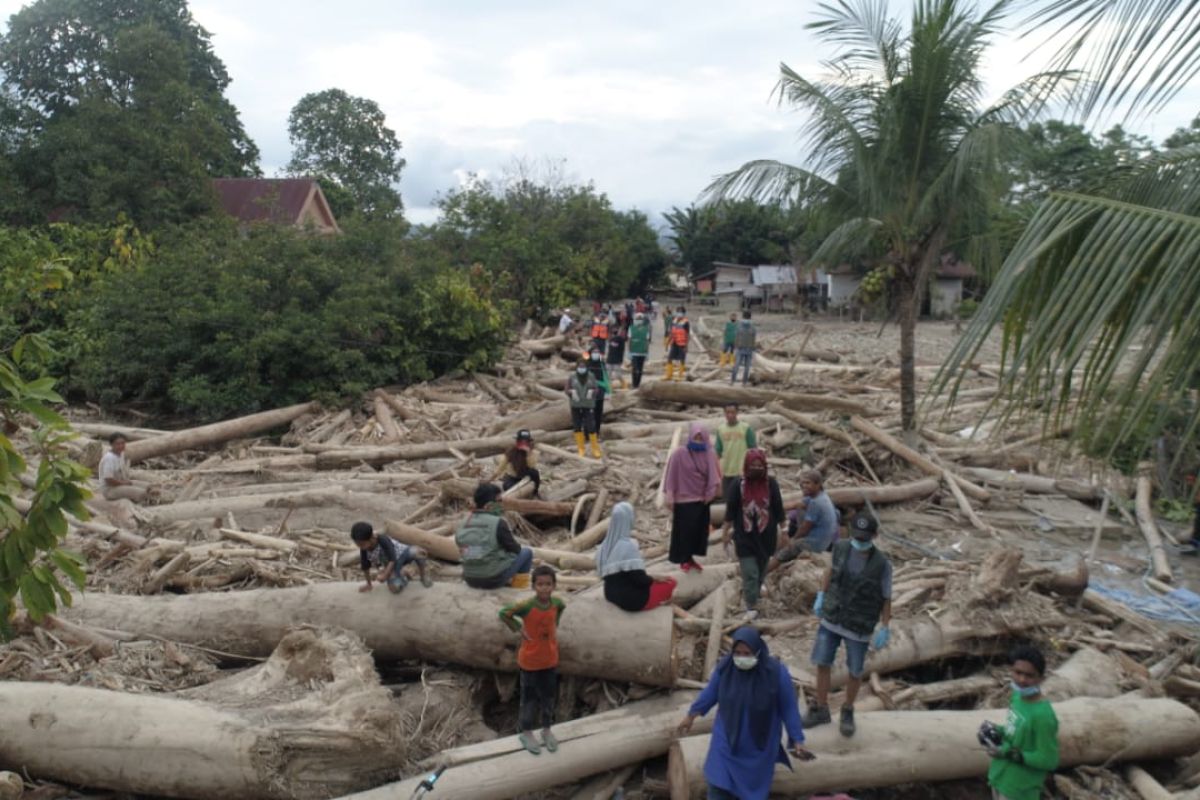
(721,394)
(1036,484)
(916,459)
(218,432)
(1145,520)
(855,496)
(344,457)
(556,415)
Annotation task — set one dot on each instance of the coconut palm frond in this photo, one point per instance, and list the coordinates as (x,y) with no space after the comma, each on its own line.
(1096,303)
(767,181)
(848,240)
(871,37)
(1168,180)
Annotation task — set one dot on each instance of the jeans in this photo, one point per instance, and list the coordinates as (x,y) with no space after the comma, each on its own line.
(742,359)
(826,648)
(539,696)
(522,563)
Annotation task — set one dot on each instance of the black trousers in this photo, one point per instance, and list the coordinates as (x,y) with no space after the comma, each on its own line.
(1196,524)
(599,412)
(539,696)
(509,481)
(583,420)
(638,363)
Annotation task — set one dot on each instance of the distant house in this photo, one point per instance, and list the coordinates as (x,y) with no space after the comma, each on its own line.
(298,202)
(841,282)
(724,278)
(946,288)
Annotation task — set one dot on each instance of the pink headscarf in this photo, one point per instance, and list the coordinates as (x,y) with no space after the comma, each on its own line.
(692,477)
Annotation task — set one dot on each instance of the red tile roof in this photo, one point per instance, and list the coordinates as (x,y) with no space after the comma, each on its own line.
(279,200)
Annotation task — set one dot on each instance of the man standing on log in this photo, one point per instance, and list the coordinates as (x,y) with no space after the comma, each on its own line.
(618,333)
(537,658)
(115,483)
(1025,749)
(600,332)
(565,322)
(581,390)
(600,373)
(639,347)
(730,333)
(744,339)
(855,597)
(491,556)
(681,331)
(734,440)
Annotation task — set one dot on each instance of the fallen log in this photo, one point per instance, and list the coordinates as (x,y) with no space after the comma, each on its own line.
(855,496)
(218,432)
(105,430)
(916,459)
(720,394)
(1036,484)
(556,415)
(341,731)
(1145,520)
(464,489)
(251,623)
(542,348)
(931,746)
(378,455)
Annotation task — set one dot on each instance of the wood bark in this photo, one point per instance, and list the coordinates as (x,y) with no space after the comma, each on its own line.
(855,496)
(556,416)
(218,432)
(341,732)
(543,348)
(931,746)
(1145,520)
(916,459)
(720,394)
(252,622)
(1036,484)
(1145,785)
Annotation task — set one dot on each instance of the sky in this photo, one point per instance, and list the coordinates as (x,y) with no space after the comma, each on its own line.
(647,100)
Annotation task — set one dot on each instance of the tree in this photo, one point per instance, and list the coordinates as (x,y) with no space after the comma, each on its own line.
(901,155)
(343,140)
(738,232)
(1184,137)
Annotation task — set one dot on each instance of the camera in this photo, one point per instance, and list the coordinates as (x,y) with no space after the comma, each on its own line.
(990,734)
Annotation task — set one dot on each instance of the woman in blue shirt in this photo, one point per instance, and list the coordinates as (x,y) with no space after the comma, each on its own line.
(755,703)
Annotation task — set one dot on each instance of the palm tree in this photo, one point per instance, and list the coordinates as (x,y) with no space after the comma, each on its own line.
(1098,300)
(903,157)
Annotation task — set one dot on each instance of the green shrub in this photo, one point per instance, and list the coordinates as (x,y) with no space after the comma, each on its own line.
(967,308)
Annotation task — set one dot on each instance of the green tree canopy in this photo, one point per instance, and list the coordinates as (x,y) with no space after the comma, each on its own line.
(345,142)
(734,231)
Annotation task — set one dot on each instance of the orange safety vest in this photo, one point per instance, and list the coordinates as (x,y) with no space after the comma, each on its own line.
(599,330)
(679,333)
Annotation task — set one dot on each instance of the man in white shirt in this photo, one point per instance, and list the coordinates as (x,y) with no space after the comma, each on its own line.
(115,483)
(565,322)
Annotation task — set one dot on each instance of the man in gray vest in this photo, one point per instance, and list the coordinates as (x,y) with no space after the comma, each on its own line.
(491,557)
(856,596)
(744,340)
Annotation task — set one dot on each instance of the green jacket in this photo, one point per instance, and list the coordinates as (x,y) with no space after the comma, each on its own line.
(854,602)
(639,339)
(1031,728)
(730,332)
(482,555)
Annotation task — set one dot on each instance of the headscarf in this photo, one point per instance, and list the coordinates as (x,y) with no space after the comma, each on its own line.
(749,695)
(756,495)
(692,476)
(618,552)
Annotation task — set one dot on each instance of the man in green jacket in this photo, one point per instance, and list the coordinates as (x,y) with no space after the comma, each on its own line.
(1025,749)
(734,440)
(639,347)
(491,556)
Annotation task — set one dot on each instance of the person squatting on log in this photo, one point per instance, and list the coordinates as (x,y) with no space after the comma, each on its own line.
(1024,750)
(753,513)
(537,658)
(692,481)
(727,338)
(618,334)
(680,333)
(596,367)
(389,557)
(856,595)
(113,473)
(734,439)
(817,531)
(621,567)
(581,390)
(639,347)
(744,340)
(755,703)
(519,462)
(491,555)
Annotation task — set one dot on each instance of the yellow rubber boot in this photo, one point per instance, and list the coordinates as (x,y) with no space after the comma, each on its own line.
(723,360)
(670,370)
(595,439)
(580,439)
(681,374)
(520,581)
(624,384)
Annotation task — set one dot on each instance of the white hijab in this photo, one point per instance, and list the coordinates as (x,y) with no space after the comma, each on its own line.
(619,553)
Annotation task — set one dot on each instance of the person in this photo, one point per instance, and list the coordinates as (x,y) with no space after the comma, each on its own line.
(113,473)
(639,347)
(680,332)
(537,658)
(582,390)
(1025,749)
(600,373)
(491,555)
(692,481)
(756,704)
(389,557)
(734,439)
(727,341)
(744,339)
(600,332)
(565,322)
(621,567)
(855,597)
(668,321)
(519,462)
(753,513)
(818,529)
(618,333)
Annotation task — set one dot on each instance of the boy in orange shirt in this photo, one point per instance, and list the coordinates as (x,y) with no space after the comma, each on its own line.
(538,657)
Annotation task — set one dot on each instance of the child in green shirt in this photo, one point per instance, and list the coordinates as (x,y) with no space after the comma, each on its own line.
(1025,749)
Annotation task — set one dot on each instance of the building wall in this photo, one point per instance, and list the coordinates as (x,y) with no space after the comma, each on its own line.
(310,215)
(728,278)
(945,294)
(842,289)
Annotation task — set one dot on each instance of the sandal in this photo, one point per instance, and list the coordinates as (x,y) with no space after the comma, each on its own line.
(529,743)
(549,741)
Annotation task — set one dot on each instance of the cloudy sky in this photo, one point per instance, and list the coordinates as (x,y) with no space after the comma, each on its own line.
(648,100)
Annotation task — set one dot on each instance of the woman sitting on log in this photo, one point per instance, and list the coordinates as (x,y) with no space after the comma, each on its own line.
(691,483)
(755,703)
(519,462)
(620,565)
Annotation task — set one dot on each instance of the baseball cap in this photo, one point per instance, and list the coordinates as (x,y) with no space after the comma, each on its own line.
(863,526)
(524,439)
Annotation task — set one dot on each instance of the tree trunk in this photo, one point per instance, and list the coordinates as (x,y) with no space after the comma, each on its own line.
(218,432)
(916,459)
(385,454)
(721,394)
(1145,520)
(312,722)
(557,415)
(1036,484)
(448,622)
(908,310)
(929,746)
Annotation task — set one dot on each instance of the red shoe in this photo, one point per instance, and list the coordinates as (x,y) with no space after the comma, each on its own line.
(697,567)
(686,566)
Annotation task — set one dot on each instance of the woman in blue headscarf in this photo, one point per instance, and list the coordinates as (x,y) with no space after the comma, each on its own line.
(755,704)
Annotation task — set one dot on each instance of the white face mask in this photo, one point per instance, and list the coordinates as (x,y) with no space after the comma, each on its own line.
(745,662)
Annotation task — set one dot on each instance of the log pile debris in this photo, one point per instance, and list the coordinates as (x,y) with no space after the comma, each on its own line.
(239,589)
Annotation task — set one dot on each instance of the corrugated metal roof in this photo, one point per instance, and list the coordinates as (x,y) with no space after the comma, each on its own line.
(773,275)
(278,200)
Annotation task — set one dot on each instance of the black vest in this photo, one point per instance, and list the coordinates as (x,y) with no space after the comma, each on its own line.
(854,602)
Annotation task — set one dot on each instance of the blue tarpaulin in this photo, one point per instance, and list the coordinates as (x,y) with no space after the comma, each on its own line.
(1180,605)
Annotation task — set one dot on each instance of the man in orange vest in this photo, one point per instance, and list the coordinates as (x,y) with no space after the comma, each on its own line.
(600,333)
(681,331)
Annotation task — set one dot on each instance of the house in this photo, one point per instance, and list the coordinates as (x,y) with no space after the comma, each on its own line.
(840,282)
(298,202)
(772,283)
(946,288)
(724,278)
